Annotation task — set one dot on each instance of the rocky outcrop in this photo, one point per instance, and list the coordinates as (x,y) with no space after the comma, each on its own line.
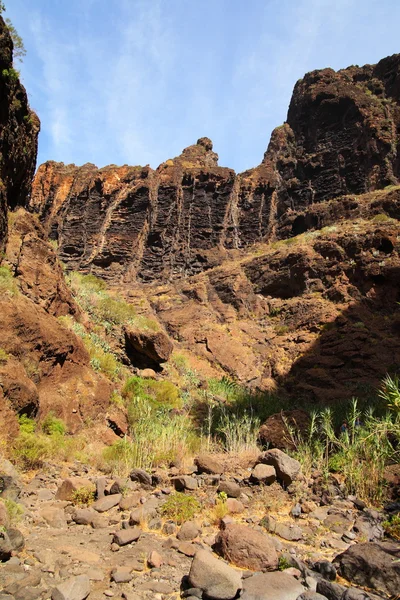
(315,316)
(341,137)
(19,128)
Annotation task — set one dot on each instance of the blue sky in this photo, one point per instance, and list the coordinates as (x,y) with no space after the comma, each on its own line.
(136,81)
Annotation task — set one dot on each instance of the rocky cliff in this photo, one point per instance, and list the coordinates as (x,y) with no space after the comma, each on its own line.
(342,136)
(43,366)
(19,128)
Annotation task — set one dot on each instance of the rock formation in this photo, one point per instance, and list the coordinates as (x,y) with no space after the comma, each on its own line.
(19,128)
(43,366)
(341,137)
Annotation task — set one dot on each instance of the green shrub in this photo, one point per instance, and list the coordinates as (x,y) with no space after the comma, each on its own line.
(83,496)
(381,218)
(14,510)
(7,282)
(165,393)
(114,311)
(53,426)
(180,508)
(26,425)
(392,527)
(30,450)
(11,74)
(239,432)
(283,563)
(162,394)
(3,356)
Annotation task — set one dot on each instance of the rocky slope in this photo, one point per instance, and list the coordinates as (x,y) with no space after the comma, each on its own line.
(129,544)
(342,136)
(43,366)
(19,127)
(315,316)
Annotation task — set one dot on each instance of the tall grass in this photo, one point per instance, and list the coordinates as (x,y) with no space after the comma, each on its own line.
(102,306)
(156,438)
(359,451)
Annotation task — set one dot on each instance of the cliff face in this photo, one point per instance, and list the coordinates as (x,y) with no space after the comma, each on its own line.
(342,136)
(19,128)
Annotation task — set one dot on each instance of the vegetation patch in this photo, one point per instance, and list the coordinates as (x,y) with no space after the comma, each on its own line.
(8,284)
(180,508)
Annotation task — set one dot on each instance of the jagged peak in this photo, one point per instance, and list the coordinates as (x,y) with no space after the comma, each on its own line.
(197,155)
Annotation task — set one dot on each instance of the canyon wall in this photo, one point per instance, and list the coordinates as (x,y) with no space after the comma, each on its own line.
(342,136)
(19,128)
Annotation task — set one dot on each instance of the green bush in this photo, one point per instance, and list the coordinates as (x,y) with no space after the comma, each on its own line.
(30,450)
(3,356)
(7,282)
(11,74)
(392,527)
(83,496)
(360,452)
(14,510)
(26,425)
(53,426)
(159,394)
(180,508)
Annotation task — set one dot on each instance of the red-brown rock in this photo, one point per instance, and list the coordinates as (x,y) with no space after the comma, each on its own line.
(247,548)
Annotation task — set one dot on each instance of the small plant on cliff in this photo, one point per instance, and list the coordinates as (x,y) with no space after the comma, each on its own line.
(392,527)
(3,356)
(11,74)
(14,511)
(220,509)
(180,508)
(390,392)
(53,426)
(26,425)
(8,284)
(19,48)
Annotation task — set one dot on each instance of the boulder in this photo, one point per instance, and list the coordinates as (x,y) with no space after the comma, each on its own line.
(54,517)
(83,516)
(184,482)
(274,432)
(75,588)
(189,531)
(69,486)
(208,464)
(311,596)
(5,546)
(144,512)
(247,548)
(368,526)
(217,579)
(230,488)
(271,586)
(121,575)
(148,374)
(9,488)
(374,565)
(16,538)
(127,536)
(234,506)
(263,474)
(107,503)
(142,477)
(145,346)
(287,468)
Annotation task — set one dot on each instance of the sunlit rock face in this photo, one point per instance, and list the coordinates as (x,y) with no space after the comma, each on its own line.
(126,223)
